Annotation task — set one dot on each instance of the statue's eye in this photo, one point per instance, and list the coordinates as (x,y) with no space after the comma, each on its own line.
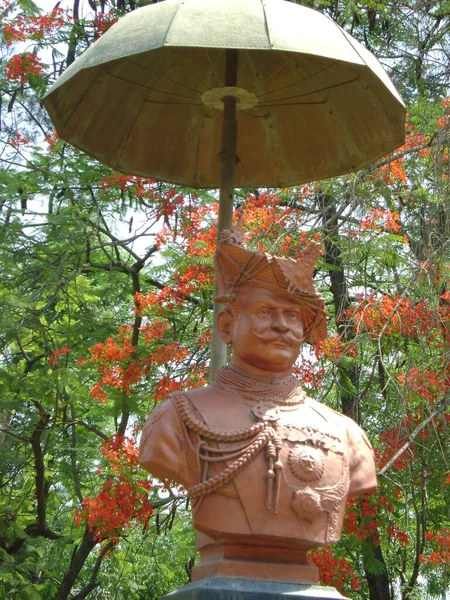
(293,317)
(263,312)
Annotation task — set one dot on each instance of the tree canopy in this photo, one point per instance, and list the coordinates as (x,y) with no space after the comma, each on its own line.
(106,298)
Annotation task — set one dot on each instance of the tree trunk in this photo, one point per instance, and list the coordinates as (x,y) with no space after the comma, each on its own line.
(379,588)
(78,560)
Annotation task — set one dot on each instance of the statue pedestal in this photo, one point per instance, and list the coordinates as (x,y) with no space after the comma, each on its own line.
(229,588)
(254,558)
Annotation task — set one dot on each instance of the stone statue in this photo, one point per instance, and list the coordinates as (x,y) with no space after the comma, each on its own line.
(268,470)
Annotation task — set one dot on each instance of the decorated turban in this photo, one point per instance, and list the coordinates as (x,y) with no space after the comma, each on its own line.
(238,268)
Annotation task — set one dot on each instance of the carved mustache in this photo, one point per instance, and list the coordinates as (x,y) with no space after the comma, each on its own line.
(288,338)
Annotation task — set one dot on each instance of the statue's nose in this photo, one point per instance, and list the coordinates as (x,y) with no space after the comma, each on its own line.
(279,322)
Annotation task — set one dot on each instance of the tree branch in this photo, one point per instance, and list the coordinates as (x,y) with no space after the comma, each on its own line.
(93,583)
(437,410)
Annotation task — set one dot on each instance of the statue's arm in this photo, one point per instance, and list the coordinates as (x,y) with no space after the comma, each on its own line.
(166,450)
(363,477)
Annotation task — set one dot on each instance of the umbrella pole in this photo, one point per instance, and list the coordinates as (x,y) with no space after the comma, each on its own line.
(227,159)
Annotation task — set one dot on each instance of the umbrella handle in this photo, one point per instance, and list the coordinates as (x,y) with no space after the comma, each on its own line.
(227,158)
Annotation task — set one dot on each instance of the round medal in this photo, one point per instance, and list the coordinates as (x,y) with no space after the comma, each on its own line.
(306,463)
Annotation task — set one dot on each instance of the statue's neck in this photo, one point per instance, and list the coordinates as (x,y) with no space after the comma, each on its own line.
(258,388)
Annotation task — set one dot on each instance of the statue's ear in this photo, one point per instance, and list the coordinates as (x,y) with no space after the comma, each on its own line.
(225,322)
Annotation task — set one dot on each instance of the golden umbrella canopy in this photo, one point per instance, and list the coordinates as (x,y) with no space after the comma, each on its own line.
(146,98)
(164,92)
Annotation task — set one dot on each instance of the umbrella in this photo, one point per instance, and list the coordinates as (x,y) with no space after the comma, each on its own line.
(279,92)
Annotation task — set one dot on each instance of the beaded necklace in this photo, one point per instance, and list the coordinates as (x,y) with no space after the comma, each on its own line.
(281,392)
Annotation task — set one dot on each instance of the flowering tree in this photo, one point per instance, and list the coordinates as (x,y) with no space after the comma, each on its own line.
(106,292)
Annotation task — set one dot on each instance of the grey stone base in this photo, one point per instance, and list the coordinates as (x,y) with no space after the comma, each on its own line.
(227,588)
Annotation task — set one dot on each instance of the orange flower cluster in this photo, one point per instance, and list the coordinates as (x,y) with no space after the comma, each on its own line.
(393,172)
(115,367)
(362,517)
(380,219)
(167,353)
(119,365)
(205,338)
(154,330)
(396,534)
(103,22)
(169,203)
(20,67)
(396,315)
(305,239)
(436,558)
(56,355)
(111,351)
(261,211)
(168,385)
(443,121)
(122,498)
(440,554)
(337,572)
(429,384)
(286,245)
(138,185)
(35,28)
(52,139)
(335,348)
(18,140)
(195,276)
(308,373)
(120,451)
(414,139)
(164,387)
(166,202)
(142,301)
(394,438)
(195,218)
(204,243)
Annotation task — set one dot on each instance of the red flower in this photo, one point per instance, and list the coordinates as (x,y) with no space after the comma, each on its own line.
(21,66)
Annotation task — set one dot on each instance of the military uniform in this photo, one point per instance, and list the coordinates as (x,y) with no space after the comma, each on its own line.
(324,457)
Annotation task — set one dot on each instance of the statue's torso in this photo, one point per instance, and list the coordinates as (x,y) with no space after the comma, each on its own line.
(307,503)
(293,487)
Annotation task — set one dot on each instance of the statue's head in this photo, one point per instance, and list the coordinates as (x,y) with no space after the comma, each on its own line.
(271,306)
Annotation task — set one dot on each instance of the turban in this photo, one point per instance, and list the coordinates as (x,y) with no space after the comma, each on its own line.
(238,268)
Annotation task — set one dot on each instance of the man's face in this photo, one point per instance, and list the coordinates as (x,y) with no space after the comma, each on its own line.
(266,333)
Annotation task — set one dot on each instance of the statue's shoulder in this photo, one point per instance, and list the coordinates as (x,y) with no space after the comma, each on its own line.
(336,417)
(354,431)
(329,413)
(201,393)
(208,397)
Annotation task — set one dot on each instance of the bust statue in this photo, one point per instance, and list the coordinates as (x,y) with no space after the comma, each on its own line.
(268,470)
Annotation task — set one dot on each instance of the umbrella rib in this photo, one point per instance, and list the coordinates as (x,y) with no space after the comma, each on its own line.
(119,158)
(163,76)
(173,103)
(81,99)
(249,114)
(219,81)
(323,89)
(269,77)
(296,82)
(185,70)
(293,104)
(147,87)
(197,153)
(266,24)
(166,35)
(349,42)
